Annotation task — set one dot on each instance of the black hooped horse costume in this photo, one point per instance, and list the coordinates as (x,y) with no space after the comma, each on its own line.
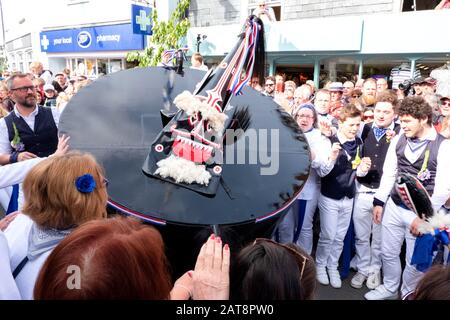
(161,134)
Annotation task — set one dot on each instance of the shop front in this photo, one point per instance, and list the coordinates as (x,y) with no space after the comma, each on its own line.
(90,51)
(370,46)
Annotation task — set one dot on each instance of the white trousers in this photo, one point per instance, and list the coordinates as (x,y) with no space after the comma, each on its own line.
(285,230)
(394,230)
(335,218)
(305,239)
(289,225)
(368,254)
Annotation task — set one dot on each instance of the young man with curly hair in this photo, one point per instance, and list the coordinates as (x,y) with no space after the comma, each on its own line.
(422,152)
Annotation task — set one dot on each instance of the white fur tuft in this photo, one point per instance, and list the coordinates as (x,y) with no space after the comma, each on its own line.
(438,220)
(186,102)
(183,171)
(190,104)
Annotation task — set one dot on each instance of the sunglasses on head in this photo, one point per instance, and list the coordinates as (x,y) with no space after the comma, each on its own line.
(301,259)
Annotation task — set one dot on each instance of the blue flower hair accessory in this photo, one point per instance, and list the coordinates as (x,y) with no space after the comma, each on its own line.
(85,183)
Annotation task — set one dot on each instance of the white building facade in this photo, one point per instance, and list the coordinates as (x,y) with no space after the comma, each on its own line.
(330,39)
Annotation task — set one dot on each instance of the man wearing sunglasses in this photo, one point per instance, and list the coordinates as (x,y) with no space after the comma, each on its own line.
(444,112)
(28,131)
(269,87)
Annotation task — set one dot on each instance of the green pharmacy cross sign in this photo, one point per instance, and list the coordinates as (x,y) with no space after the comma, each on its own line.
(141,19)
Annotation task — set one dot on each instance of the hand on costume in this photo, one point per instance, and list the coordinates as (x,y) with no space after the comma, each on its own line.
(25,156)
(4,223)
(414,228)
(211,275)
(377,214)
(183,287)
(63,145)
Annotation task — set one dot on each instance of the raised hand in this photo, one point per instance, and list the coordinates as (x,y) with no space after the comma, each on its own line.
(365,164)
(211,275)
(335,148)
(63,145)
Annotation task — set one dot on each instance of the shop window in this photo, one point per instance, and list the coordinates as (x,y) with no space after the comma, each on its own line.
(297,73)
(115,65)
(338,69)
(416,5)
(394,70)
(29,56)
(102,65)
(91,68)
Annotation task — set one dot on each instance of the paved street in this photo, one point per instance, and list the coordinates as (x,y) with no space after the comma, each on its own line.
(344,293)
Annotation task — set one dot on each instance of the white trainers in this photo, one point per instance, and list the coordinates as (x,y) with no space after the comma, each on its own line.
(322,276)
(381,293)
(358,280)
(373,280)
(335,278)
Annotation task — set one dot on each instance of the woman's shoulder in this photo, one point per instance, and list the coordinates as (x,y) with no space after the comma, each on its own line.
(17,235)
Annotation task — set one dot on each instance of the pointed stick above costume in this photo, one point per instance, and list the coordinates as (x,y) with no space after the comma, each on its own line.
(190,149)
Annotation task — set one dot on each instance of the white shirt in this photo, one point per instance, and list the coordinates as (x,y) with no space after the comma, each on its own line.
(441,190)
(8,287)
(17,235)
(317,143)
(11,174)
(5,144)
(328,164)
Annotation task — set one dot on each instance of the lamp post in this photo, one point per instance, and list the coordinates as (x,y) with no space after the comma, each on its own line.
(200,37)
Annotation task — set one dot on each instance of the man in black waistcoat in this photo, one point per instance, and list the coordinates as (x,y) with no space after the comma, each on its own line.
(28,131)
(376,138)
(422,152)
(337,191)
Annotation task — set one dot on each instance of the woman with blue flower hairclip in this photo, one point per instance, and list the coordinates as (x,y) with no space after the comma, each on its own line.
(61,193)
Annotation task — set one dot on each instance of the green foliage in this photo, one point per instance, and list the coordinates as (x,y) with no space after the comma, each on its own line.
(166,35)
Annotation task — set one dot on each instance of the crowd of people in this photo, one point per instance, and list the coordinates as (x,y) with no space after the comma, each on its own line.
(62,245)
(52,90)
(362,136)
